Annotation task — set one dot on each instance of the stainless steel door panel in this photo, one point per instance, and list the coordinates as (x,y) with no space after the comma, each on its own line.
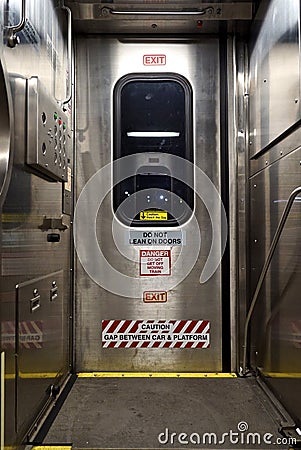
(103,61)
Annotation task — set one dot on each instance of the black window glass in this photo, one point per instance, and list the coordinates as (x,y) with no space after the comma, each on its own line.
(152,116)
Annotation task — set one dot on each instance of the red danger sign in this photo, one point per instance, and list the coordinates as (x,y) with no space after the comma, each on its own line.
(154,60)
(155,263)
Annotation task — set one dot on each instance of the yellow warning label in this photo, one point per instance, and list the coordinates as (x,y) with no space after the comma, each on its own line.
(153,215)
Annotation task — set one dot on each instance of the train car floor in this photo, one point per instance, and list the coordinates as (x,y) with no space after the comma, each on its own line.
(140,413)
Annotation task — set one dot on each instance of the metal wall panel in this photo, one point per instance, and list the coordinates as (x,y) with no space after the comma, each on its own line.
(275,337)
(26,252)
(274,73)
(103,61)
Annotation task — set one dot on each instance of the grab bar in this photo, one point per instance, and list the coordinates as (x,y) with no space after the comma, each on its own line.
(264,270)
(201,12)
(12,38)
(69,45)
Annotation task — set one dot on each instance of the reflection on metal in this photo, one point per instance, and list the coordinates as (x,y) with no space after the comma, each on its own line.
(12,38)
(140,134)
(282,374)
(5,135)
(209,11)
(30,333)
(156,375)
(264,270)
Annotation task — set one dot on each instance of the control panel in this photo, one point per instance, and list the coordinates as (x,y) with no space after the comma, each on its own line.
(48,137)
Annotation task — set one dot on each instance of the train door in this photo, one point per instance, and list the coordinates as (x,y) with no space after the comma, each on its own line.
(150,227)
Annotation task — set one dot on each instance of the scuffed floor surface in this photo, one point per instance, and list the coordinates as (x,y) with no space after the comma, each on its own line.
(154,412)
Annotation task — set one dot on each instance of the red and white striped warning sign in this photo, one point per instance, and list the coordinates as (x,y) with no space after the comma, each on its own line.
(30,334)
(155,333)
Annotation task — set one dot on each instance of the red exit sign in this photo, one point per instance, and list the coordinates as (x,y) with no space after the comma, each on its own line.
(154,296)
(154,60)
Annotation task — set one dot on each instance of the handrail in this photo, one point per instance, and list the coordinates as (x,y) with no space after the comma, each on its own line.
(12,39)
(199,12)
(69,45)
(264,270)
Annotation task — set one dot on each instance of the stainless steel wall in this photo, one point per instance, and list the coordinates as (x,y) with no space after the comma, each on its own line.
(103,61)
(34,340)
(274,173)
(274,73)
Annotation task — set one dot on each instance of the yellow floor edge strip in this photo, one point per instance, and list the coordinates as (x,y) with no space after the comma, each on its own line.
(282,374)
(156,375)
(51,447)
(38,375)
(28,375)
